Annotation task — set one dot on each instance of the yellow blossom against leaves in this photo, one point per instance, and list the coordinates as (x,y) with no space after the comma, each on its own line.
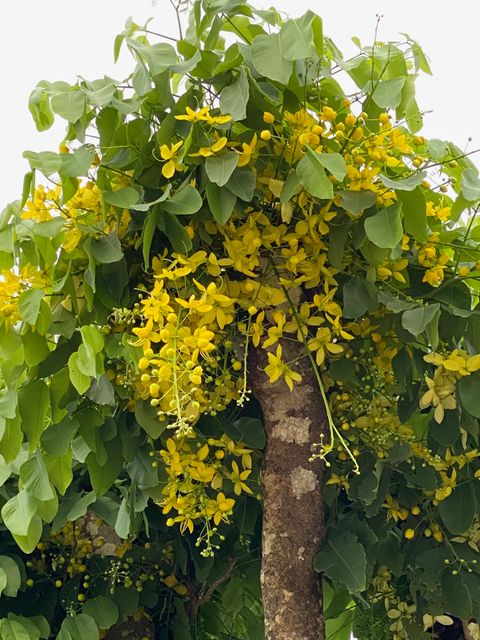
(214,148)
(203,115)
(247,152)
(394,510)
(458,361)
(448,485)
(277,369)
(442,213)
(197,479)
(440,394)
(441,388)
(170,154)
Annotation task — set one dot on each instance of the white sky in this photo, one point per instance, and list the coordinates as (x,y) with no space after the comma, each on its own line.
(60,39)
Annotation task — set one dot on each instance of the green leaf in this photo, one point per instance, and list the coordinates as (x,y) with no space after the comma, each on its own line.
(250,431)
(12,574)
(13,630)
(122,198)
(220,168)
(69,105)
(92,337)
(60,471)
(334,162)
(384,228)
(103,610)
(242,183)
(103,476)
(268,59)
(147,418)
(312,176)
(80,381)
(158,56)
(234,97)
(81,626)
(468,391)
(416,320)
(414,209)
(388,93)
(3,580)
(123,521)
(343,559)
(458,510)
(438,149)
(458,601)
(184,202)
(357,201)
(296,37)
(148,205)
(18,512)
(406,184)
(359,297)
(221,202)
(34,477)
(28,542)
(8,403)
(107,249)
(29,305)
(39,106)
(470,185)
(34,404)
(46,161)
(78,162)
(176,233)
(102,392)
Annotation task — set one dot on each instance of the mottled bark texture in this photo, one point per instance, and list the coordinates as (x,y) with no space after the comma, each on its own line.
(293,520)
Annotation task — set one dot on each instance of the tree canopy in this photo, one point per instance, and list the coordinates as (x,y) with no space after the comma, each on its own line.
(247,210)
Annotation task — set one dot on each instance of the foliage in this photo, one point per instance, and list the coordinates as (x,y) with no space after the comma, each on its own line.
(226,196)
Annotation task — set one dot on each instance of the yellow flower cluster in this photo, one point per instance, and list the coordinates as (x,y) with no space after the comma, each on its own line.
(188,365)
(197,481)
(81,213)
(441,388)
(435,262)
(12,285)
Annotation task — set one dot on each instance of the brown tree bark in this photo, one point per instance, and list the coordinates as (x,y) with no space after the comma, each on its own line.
(293,521)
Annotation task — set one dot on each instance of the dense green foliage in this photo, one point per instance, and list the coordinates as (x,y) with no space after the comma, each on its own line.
(228,195)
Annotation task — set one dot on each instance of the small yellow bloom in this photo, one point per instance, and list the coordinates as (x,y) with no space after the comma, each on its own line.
(170,154)
(268,117)
(206,152)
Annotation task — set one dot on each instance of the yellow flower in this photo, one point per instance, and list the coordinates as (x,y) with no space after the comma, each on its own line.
(170,154)
(462,363)
(238,477)
(203,115)
(440,394)
(146,335)
(206,152)
(394,510)
(247,151)
(448,485)
(276,369)
(221,507)
(322,343)
(268,117)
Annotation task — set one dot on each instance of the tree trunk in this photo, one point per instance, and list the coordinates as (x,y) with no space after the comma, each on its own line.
(293,521)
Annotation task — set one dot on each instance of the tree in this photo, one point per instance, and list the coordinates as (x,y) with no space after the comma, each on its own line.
(234,265)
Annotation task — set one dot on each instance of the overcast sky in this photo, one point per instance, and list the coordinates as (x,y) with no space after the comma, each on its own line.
(60,39)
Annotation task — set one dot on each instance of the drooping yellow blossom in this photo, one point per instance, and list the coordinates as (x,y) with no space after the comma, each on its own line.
(170,154)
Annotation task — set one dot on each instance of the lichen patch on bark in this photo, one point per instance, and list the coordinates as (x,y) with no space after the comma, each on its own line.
(295,430)
(302,481)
